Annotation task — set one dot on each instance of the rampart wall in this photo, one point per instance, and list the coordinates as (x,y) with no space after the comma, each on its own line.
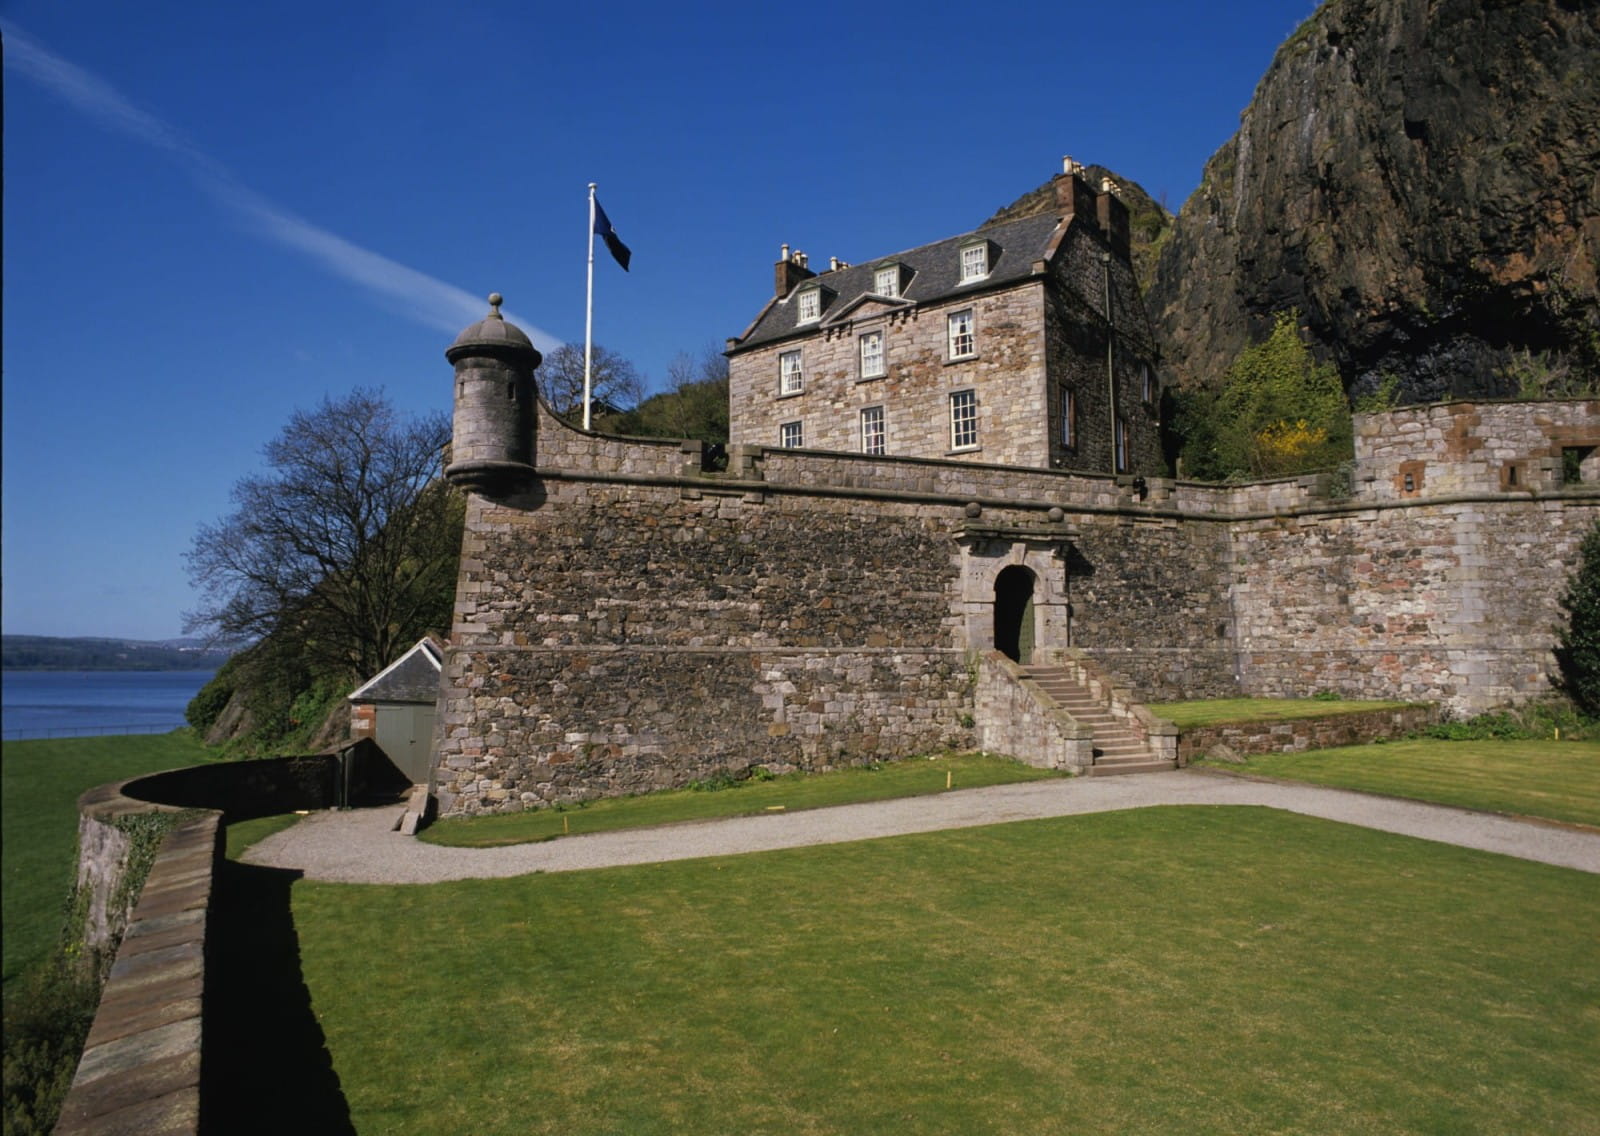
(628,622)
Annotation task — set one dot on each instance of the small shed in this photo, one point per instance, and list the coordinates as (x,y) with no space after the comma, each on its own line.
(395,708)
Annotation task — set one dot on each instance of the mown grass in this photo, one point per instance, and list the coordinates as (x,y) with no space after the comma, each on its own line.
(1160,970)
(1227,711)
(40,782)
(241,834)
(792,792)
(1555,780)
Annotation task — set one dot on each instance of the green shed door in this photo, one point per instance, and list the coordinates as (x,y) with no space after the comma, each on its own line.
(405,733)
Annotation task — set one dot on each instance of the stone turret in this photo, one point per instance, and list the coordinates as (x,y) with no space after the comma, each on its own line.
(493,446)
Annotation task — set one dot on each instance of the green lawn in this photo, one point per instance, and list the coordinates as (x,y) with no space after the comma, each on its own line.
(1227,711)
(910,778)
(1557,780)
(1192,969)
(40,782)
(243,833)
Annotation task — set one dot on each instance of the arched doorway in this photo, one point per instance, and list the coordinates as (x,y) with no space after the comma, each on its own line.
(1013,613)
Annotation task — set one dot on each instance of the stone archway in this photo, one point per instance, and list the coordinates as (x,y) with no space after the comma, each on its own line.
(1033,554)
(1014,620)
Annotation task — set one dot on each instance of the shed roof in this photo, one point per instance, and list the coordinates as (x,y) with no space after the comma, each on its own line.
(413,677)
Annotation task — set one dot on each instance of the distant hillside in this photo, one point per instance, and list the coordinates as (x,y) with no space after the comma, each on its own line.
(1418,179)
(47,653)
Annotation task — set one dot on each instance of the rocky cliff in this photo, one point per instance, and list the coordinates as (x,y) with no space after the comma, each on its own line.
(1420,179)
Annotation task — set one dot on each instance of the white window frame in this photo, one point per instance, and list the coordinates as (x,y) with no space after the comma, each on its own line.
(964,419)
(810,305)
(874,366)
(891,274)
(791,373)
(974,262)
(1069,418)
(874,431)
(792,435)
(963,333)
(1121,444)
(1147,381)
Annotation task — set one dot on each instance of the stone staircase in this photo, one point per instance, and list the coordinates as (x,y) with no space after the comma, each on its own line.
(1117,747)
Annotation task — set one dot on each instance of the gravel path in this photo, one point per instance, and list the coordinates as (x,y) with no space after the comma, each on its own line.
(360,846)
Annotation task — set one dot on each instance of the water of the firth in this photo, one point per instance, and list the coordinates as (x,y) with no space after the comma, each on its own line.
(40,704)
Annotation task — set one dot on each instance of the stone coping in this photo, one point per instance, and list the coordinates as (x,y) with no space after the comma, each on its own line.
(141,1064)
(140,1070)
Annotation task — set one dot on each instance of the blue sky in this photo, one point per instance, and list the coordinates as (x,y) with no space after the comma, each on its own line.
(217,213)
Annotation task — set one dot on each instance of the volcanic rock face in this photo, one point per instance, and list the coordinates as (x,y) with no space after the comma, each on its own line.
(1420,179)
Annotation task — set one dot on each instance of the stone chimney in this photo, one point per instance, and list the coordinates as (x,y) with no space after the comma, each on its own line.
(1074,196)
(1113,217)
(790,270)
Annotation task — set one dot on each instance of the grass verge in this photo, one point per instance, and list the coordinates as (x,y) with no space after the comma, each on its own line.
(242,834)
(1555,780)
(1227,711)
(792,792)
(1178,969)
(40,782)
(48,1002)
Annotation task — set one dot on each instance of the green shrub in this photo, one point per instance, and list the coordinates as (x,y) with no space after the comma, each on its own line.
(206,707)
(1485,727)
(1533,722)
(46,1021)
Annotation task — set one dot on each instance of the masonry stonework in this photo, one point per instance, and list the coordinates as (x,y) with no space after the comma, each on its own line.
(1056,352)
(625,621)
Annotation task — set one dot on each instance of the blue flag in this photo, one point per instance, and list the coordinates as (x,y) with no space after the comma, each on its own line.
(603,230)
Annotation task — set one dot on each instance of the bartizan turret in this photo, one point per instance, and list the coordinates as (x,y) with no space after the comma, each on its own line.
(493,446)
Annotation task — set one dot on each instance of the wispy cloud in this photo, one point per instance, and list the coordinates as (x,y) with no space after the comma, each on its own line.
(415,294)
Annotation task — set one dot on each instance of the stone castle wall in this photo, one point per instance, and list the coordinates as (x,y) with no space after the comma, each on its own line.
(628,622)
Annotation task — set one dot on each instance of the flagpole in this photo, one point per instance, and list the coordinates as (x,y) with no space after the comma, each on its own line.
(588,316)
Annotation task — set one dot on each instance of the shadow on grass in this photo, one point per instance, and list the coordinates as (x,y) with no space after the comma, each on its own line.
(265,1065)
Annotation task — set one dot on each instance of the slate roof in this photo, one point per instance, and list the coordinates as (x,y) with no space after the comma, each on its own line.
(936,276)
(413,677)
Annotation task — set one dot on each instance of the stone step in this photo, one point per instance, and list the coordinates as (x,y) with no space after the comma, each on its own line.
(1117,749)
(1114,769)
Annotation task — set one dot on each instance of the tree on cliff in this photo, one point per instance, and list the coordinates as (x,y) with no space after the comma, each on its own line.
(615,384)
(1579,652)
(1279,412)
(344,552)
(694,405)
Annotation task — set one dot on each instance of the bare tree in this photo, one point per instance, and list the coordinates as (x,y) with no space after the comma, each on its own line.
(615,382)
(345,551)
(695,403)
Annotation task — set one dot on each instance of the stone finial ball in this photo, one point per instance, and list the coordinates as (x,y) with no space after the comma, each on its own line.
(974,509)
(496,299)
(1056,515)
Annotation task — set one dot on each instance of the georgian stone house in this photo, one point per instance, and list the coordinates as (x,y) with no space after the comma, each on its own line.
(1024,342)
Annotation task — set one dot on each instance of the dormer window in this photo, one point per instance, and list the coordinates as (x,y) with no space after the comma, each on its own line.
(974,262)
(810,305)
(886,281)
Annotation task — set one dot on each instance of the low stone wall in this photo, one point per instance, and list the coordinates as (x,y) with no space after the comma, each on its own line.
(1021,721)
(1306,733)
(140,1070)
